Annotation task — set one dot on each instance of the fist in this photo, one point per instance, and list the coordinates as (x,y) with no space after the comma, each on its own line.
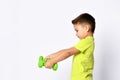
(48,65)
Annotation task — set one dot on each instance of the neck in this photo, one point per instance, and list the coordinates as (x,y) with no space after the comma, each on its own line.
(89,34)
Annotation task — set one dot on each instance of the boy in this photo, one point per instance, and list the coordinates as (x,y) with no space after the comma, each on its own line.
(83,60)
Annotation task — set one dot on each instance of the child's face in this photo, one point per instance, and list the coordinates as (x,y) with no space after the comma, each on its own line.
(81,31)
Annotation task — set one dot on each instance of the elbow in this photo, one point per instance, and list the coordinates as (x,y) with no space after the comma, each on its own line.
(69,53)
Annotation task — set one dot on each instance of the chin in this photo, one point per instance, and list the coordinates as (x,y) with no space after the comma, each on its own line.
(79,37)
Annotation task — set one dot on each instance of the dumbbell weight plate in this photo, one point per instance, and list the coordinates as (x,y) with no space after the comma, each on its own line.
(55,67)
(41,62)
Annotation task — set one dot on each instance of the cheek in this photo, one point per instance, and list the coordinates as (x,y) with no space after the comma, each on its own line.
(80,34)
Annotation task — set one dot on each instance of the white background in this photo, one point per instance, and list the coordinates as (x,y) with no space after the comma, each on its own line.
(30,28)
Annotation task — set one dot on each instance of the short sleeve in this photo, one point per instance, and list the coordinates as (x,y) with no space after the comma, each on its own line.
(83,44)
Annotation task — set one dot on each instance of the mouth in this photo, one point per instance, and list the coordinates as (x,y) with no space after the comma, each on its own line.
(77,36)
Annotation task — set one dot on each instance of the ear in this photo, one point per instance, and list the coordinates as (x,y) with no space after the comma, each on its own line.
(87,28)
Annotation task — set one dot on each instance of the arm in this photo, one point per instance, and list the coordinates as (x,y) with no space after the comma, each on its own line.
(54,55)
(63,54)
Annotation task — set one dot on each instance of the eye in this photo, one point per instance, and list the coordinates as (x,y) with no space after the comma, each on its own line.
(76,30)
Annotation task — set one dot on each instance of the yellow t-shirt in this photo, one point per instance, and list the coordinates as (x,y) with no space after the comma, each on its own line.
(83,62)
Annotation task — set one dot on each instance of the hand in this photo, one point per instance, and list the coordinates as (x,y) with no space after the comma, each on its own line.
(48,57)
(48,64)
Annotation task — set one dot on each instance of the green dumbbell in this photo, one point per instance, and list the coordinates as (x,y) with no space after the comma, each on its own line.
(42,62)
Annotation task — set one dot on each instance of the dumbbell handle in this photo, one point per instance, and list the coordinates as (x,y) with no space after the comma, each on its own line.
(42,62)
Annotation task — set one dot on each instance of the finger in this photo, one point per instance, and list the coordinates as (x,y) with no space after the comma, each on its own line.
(48,65)
(47,57)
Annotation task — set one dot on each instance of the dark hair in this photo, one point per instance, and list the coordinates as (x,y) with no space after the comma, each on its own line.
(85,18)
